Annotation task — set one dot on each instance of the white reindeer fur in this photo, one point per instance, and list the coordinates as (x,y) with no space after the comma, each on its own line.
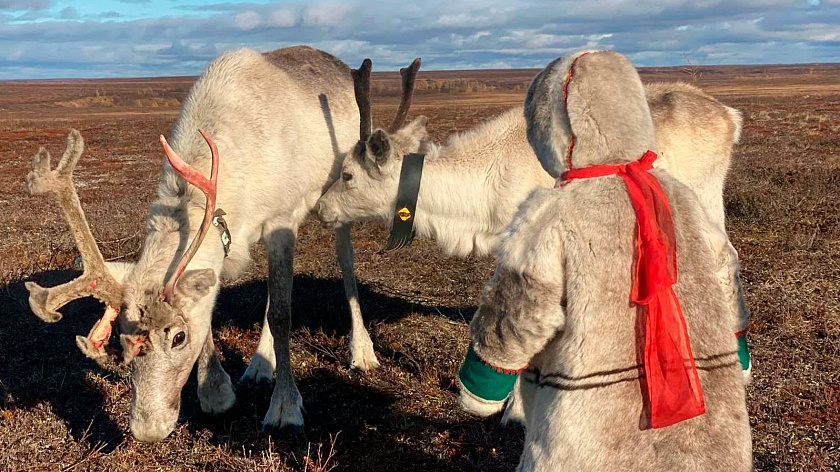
(278,154)
(472,185)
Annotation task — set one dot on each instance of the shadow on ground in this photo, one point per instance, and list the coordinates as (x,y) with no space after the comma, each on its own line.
(377,414)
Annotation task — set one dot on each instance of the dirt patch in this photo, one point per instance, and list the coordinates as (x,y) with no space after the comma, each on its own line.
(157,102)
(86,102)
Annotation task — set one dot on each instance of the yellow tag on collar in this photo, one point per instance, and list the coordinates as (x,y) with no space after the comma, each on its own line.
(404,214)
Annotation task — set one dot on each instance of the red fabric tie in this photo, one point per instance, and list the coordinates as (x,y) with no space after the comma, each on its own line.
(673,386)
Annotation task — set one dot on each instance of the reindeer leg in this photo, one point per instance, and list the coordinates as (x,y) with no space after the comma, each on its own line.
(261,367)
(362,355)
(215,390)
(286,405)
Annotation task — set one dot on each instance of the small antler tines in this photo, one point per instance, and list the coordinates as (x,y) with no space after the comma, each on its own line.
(208,187)
(43,179)
(361,87)
(95,280)
(75,147)
(409,77)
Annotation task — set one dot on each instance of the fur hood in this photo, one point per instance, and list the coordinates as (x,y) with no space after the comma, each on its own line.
(605,109)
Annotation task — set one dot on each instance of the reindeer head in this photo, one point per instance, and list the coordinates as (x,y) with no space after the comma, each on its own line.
(367,186)
(159,339)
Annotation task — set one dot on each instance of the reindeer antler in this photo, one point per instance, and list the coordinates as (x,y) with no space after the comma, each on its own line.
(95,279)
(208,187)
(409,77)
(361,87)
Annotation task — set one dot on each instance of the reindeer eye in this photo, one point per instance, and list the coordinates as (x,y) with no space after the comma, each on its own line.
(346,176)
(179,339)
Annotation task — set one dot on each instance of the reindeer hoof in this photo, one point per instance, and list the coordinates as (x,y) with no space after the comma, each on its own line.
(365,365)
(250,382)
(362,355)
(260,372)
(38,303)
(216,396)
(290,430)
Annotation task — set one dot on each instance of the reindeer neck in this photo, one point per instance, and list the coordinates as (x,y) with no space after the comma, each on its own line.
(174,220)
(472,185)
(451,209)
(168,236)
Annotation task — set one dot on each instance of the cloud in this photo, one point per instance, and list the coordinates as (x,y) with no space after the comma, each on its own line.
(69,13)
(248,20)
(24,4)
(282,18)
(447,34)
(324,14)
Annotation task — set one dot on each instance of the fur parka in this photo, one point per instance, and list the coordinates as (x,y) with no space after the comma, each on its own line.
(559,301)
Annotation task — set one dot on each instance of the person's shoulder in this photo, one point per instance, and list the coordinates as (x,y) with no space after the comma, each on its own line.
(689,213)
(536,230)
(683,201)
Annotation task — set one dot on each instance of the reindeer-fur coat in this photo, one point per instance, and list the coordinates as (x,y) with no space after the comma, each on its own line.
(559,299)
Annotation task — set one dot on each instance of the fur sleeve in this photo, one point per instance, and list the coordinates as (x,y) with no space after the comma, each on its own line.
(522,306)
(728,275)
(727,269)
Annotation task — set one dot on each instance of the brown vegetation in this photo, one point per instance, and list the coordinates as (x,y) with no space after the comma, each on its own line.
(58,411)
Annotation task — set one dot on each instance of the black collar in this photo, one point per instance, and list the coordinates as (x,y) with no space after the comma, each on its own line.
(402,229)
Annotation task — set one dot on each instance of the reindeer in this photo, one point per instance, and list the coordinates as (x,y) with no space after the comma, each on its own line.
(271,129)
(472,185)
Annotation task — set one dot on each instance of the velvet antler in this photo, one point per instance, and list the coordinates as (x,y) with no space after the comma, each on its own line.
(409,77)
(208,187)
(361,87)
(95,280)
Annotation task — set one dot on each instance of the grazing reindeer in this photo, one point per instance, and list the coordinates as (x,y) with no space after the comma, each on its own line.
(472,185)
(280,123)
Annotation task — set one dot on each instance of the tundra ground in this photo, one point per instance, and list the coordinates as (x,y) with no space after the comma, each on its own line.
(59,412)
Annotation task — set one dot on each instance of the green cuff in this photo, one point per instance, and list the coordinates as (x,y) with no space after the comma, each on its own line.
(743,351)
(484,381)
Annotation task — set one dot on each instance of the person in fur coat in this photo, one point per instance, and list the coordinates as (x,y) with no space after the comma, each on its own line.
(607,299)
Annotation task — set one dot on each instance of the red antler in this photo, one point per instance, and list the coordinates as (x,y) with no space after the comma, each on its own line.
(208,187)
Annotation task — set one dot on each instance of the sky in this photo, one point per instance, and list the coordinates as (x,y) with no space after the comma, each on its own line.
(134,38)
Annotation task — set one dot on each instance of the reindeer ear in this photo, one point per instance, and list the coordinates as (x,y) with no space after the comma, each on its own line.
(411,136)
(195,284)
(419,122)
(132,346)
(379,146)
(416,129)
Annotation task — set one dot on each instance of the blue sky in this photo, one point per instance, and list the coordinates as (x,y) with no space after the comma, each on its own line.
(129,38)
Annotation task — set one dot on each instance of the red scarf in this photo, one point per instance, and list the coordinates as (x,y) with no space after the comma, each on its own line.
(673,386)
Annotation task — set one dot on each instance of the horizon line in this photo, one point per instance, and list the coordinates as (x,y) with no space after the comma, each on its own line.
(641,68)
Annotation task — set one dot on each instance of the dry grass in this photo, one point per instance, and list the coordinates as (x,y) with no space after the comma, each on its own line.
(318,461)
(87,102)
(59,412)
